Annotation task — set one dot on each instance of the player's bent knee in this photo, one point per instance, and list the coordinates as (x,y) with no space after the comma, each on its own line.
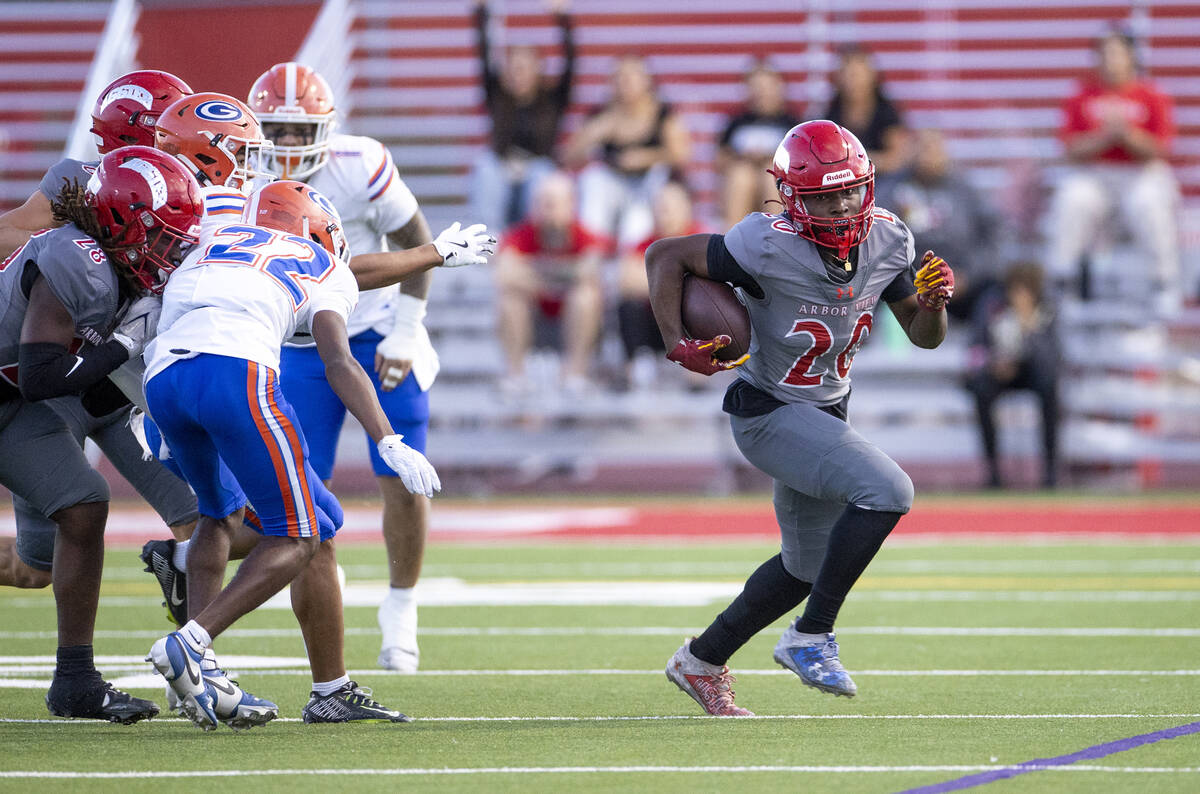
(892,493)
(29,578)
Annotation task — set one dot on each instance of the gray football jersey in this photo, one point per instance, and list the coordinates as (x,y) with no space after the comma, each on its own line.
(807,327)
(79,274)
(68,169)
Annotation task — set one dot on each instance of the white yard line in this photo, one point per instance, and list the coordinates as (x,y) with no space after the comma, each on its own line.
(655,631)
(684,717)
(643,593)
(549,770)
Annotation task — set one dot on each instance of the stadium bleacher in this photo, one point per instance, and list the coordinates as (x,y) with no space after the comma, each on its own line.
(990,74)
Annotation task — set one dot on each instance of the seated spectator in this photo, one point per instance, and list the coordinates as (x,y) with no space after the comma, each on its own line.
(637,141)
(860,105)
(549,265)
(1116,132)
(946,214)
(1015,347)
(673,217)
(525,108)
(749,142)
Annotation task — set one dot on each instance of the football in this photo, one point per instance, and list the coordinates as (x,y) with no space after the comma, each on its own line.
(711,308)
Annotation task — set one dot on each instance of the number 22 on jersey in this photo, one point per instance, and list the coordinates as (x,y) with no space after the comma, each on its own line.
(292,262)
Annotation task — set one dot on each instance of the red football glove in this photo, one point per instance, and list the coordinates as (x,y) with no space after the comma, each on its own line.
(697,355)
(935,282)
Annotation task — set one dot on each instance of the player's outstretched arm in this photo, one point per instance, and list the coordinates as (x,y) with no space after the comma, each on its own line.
(353,387)
(454,247)
(17,225)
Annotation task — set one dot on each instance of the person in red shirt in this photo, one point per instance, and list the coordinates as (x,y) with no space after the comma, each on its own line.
(673,217)
(550,263)
(1117,131)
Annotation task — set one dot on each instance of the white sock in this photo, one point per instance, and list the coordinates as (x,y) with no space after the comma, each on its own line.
(195,634)
(398,617)
(329,687)
(179,559)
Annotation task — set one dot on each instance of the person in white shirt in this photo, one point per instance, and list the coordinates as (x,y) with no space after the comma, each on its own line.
(387,335)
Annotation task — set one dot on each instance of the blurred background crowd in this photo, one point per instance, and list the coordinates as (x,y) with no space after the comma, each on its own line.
(1047,151)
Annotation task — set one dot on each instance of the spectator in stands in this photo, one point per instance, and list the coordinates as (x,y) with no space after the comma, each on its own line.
(640,337)
(946,214)
(749,142)
(549,264)
(1015,347)
(526,109)
(638,141)
(1117,131)
(860,105)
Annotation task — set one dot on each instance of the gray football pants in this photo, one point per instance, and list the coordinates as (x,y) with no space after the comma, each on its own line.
(820,465)
(170,496)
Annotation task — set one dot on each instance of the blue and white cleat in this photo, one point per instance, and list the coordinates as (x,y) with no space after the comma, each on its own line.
(178,662)
(233,705)
(814,657)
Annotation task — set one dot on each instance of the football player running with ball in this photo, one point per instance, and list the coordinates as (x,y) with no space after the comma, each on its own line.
(382,220)
(811,279)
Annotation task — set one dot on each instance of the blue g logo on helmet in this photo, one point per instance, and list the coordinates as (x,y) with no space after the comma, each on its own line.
(322,202)
(218,110)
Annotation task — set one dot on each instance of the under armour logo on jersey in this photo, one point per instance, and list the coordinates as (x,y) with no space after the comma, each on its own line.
(218,110)
(845,293)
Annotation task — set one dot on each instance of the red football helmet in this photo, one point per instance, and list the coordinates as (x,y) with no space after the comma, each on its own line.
(217,136)
(148,207)
(821,157)
(291,94)
(127,110)
(295,208)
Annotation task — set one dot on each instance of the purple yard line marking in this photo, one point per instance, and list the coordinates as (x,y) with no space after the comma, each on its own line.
(1087,754)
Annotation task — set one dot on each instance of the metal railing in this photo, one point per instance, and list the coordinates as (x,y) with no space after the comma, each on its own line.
(114,57)
(328,47)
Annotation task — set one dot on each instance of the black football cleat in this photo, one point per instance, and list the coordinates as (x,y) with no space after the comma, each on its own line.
(351,703)
(96,699)
(159,556)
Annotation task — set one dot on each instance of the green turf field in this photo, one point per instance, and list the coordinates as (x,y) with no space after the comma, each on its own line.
(969,657)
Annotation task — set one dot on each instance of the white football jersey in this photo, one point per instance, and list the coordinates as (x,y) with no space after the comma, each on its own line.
(222,206)
(362,183)
(243,291)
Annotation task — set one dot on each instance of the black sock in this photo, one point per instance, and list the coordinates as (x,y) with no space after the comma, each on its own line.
(74,660)
(770,592)
(853,542)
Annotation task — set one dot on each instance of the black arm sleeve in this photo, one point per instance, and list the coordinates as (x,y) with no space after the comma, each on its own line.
(47,370)
(104,398)
(723,267)
(901,287)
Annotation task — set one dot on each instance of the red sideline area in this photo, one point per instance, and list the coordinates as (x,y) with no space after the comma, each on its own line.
(131,524)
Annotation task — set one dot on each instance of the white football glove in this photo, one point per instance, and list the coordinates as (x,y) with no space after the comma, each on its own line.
(417,473)
(469,246)
(139,324)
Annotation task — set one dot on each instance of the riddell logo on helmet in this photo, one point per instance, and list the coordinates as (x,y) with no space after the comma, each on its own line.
(837,176)
(134,92)
(154,180)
